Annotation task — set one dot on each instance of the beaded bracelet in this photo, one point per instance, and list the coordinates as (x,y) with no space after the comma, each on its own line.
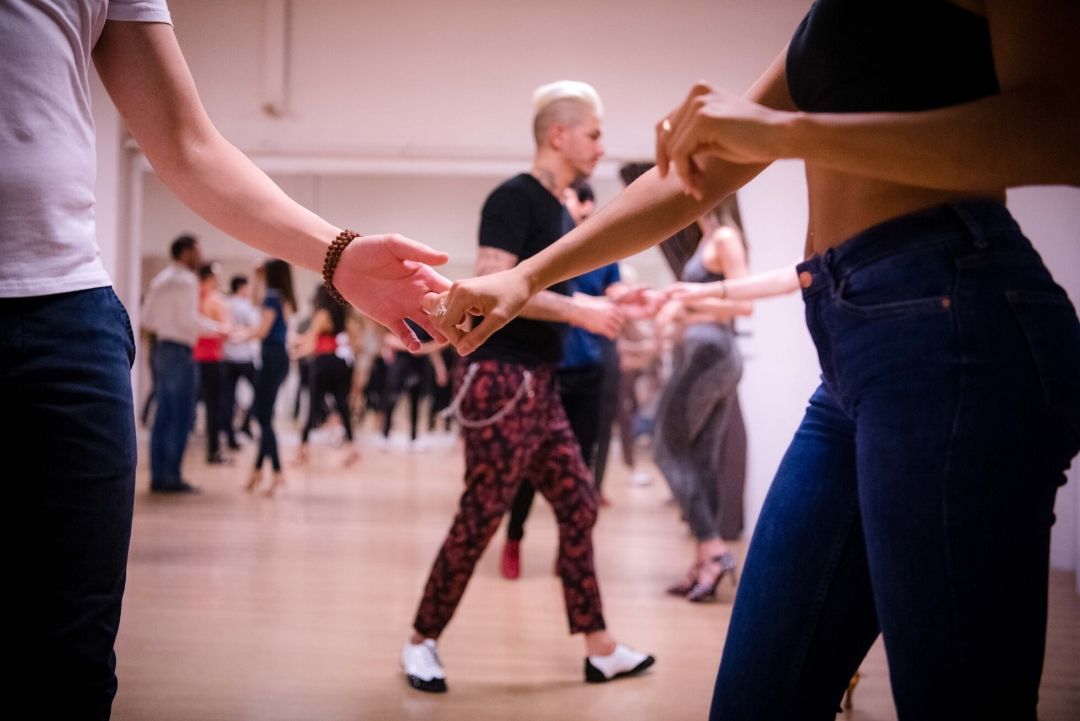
(333,255)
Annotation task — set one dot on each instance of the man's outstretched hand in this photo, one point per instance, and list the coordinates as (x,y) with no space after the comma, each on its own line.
(387,277)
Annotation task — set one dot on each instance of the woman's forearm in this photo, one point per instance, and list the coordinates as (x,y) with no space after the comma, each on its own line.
(779,281)
(648,211)
(1032,134)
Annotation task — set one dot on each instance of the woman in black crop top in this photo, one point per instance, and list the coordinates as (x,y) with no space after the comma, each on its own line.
(950,402)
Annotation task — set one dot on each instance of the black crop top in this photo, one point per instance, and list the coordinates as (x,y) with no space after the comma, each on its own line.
(852,56)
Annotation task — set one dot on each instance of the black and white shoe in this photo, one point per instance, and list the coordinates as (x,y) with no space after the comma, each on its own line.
(623,661)
(422,667)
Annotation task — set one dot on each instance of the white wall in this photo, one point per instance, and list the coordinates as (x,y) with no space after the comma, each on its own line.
(1050,217)
(402,116)
(110,177)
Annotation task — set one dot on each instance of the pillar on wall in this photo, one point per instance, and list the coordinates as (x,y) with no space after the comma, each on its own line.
(106,210)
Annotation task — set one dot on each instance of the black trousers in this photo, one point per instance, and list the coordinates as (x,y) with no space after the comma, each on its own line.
(212,383)
(234,371)
(331,376)
(67,437)
(579,392)
(407,373)
(609,409)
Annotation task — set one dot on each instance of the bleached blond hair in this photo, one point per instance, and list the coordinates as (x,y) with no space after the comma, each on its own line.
(563,102)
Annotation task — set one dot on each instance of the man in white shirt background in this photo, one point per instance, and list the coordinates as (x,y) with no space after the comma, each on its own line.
(171,312)
(240,355)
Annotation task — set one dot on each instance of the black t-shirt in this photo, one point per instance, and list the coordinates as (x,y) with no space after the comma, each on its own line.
(522,217)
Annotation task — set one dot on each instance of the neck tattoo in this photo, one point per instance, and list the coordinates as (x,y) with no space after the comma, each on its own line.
(546,178)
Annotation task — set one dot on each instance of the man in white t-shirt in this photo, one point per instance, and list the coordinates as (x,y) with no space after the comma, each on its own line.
(67,435)
(240,355)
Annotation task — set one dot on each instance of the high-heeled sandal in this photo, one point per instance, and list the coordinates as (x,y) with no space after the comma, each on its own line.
(702,592)
(301,458)
(352,457)
(684,587)
(278,482)
(253,481)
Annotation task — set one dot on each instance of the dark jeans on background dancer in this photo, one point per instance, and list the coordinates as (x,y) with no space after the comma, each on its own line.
(272,373)
(532,444)
(175,381)
(67,436)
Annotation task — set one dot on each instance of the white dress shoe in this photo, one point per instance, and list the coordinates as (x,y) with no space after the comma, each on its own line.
(623,661)
(422,667)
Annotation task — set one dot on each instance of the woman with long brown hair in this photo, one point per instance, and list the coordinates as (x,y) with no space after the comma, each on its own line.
(699,401)
(278,304)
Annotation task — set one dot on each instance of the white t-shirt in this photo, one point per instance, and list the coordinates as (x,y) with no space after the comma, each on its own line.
(47,157)
(171,307)
(244,315)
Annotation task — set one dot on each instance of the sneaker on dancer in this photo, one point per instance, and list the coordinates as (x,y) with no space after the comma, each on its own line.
(422,667)
(623,661)
(516,428)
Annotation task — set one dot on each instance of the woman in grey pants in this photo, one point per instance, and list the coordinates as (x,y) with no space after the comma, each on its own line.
(698,403)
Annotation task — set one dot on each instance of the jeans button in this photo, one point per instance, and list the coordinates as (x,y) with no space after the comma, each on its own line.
(806,279)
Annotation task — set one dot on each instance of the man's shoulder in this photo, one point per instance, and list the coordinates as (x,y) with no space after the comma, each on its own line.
(172,275)
(522,188)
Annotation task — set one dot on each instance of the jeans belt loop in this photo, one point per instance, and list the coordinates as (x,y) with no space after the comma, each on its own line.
(828,265)
(979,241)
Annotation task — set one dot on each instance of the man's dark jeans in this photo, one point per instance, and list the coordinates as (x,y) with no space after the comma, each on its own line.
(67,440)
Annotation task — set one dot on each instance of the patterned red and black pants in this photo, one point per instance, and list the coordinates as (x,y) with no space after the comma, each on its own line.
(531,444)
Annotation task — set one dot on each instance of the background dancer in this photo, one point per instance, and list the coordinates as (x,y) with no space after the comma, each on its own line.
(698,403)
(583,378)
(209,354)
(240,356)
(331,373)
(516,430)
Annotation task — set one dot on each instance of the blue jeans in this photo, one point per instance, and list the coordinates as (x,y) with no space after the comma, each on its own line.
(67,440)
(174,383)
(917,496)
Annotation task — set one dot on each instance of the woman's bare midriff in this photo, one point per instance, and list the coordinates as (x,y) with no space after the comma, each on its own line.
(842,205)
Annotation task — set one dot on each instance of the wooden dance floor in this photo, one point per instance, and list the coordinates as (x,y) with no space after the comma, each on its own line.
(240,607)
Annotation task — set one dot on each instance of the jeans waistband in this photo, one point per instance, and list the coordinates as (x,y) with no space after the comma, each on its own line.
(968,226)
(172,344)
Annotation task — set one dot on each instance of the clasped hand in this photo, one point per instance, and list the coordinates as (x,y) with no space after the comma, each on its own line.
(715,123)
(387,278)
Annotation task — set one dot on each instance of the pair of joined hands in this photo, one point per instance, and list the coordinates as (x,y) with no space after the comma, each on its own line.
(389,278)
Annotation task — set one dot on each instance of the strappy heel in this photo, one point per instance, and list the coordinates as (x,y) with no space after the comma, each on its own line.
(701,592)
(684,587)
